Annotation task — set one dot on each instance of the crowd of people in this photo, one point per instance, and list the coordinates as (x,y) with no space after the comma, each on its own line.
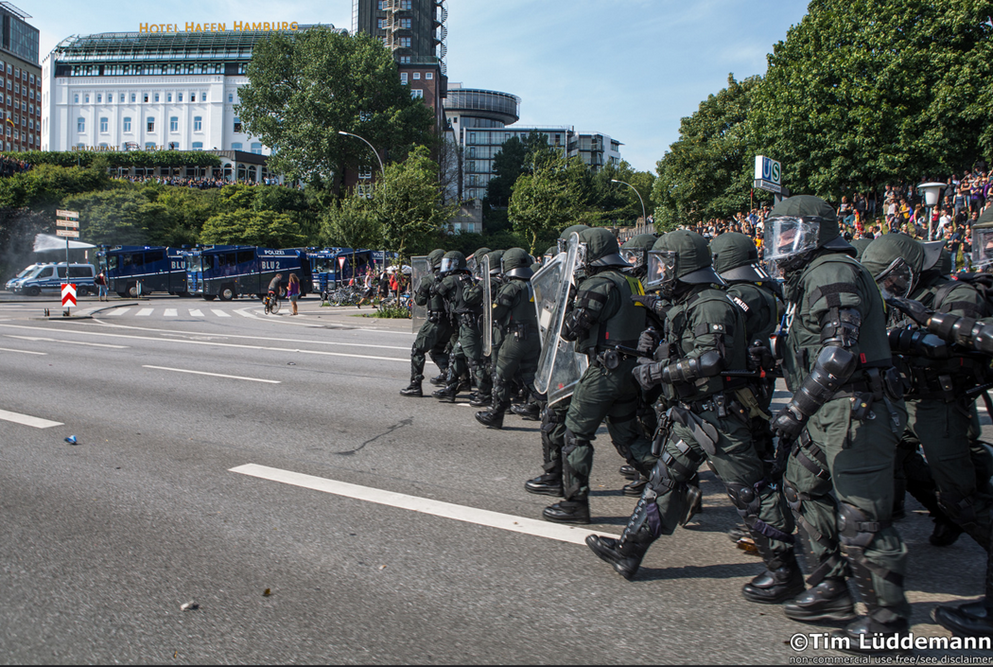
(675,343)
(10,166)
(198,183)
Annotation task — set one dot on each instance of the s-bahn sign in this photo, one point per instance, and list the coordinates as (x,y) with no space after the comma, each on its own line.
(768,174)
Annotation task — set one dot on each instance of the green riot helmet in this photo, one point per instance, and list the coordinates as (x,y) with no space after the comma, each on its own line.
(945,265)
(635,251)
(932,254)
(796,227)
(495,256)
(599,250)
(435,257)
(475,259)
(563,241)
(860,245)
(516,263)
(895,261)
(678,257)
(736,258)
(550,254)
(453,261)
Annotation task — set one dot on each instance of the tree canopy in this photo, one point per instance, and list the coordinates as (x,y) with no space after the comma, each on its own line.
(306,87)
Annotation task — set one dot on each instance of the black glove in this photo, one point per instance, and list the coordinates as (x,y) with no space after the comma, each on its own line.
(788,424)
(648,341)
(915,310)
(760,356)
(647,373)
(652,303)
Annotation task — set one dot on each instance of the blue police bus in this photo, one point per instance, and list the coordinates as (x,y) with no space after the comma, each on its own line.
(230,271)
(331,266)
(132,270)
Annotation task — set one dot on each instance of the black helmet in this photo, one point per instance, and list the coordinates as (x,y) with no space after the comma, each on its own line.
(601,249)
(516,263)
(680,256)
(435,257)
(495,256)
(453,261)
(635,250)
(736,258)
(797,226)
(895,262)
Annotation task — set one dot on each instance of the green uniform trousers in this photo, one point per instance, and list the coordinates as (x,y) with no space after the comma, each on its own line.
(432,337)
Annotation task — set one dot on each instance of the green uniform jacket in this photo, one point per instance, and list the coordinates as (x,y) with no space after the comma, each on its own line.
(423,296)
(616,319)
(762,309)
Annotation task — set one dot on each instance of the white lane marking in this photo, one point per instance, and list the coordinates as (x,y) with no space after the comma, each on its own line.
(66,342)
(7,349)
(231,345)
(216,375)
(27,420)
(517,524)
(196,312)
(220,313)
(116,312)
(245,313)
(171,312)
(144,312)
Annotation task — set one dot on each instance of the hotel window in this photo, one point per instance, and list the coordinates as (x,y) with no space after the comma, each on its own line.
(179,97)
(203,95)
(405,42)
(99,98)
(237,124)
(429,75)
(405,24)
(405,5)
(197,123)
(132,98)
(31,79)
(198,145)
(404,60)
(81,125)
(257,148)
(127,124)
(381,24)
(417,94)
(230,98)
(144,97)
(403,77)
(149,145)
(168,97)
(417,76)
(156,97)
(150,123)
(104,125)
(86,98)
(236,146)
(173,124)
(193,97)
(75,98)
(122,98)
(382,5)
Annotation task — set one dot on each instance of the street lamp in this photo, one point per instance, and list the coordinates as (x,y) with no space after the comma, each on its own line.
(643,216)
(349,134)
(932,191)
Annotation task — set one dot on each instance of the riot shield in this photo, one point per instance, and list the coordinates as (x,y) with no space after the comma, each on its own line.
(420,268)
(559,366)
(487,307)
(982,247)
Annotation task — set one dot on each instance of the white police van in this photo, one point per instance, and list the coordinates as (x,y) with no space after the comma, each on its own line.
(48,278)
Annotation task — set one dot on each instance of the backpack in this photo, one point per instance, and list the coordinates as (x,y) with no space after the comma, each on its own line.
(981,282)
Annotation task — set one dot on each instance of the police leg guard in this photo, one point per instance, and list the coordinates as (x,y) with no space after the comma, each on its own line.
(575,508)
(782,579)
(549,483)
(962,510)
(643,528)
(493,418)
(857,532)
(448,393)
(440,360)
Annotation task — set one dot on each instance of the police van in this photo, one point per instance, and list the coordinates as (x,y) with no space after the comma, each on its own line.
(48,278)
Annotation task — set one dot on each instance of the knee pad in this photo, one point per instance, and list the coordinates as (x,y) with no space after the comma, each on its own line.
(661,480)
(856,528)
(792,496)
(745,498)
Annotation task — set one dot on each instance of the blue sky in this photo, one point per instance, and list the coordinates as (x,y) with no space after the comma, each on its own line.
(628,68)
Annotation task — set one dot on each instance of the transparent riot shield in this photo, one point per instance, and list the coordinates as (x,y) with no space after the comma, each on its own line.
(487,307)
(420,268)
(559,366)
(982,247)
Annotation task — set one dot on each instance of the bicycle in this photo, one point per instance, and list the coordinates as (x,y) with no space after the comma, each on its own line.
(271,303)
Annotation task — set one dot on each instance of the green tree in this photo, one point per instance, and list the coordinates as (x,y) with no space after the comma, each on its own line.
(45,186)
(306,87)
(541,203)
(407,203)
(351,223)
(706,173)
(864,92)
(260,228)
(125,217)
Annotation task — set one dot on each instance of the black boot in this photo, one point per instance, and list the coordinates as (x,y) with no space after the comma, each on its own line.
(634,488)
(972,619)
(492,418)
(626,557)
(546,484)
(568,511)
(868,634)
(438,380)
(447,393)
(527,411)
(479,400)
(945,532)
(629,472)
(781,581)
(829,600)
(414,388)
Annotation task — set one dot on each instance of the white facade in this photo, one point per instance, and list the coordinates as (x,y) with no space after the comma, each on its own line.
(179,112)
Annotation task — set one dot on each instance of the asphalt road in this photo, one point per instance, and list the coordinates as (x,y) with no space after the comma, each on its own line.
(221,457)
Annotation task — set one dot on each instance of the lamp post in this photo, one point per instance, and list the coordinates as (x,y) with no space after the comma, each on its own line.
(349,134)
(932,191)
(643,215)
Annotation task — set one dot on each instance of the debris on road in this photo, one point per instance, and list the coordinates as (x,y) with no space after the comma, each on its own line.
(190,606)
(72,440)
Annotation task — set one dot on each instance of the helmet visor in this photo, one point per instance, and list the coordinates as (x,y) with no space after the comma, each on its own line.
(563,245)
(449,264)
(635,257)
(897,279)
(661,268)
(982,247)
(787,237)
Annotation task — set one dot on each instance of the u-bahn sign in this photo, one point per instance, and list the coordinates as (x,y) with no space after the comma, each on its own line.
(768,174)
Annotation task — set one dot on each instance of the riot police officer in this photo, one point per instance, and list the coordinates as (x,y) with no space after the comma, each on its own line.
(700,365)
(464,299)
(479,399)
(843,421)
(603,318)
(516,318)
(434,333)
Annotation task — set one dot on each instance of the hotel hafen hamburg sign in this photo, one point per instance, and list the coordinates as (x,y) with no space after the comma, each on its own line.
(237,26)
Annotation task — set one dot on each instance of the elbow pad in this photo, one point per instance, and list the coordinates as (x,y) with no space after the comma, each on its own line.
(708,364)
(832,369)
(841,327)
(917,344)
(963,331)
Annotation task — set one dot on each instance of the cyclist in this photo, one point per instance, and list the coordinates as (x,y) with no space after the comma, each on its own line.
(275,288)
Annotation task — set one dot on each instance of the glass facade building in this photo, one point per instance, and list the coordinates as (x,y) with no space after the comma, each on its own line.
(20,81)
